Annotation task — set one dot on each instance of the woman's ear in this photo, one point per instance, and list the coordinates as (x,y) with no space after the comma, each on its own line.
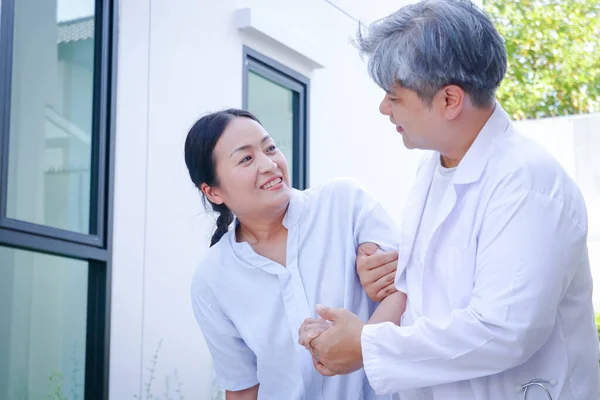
(212,193)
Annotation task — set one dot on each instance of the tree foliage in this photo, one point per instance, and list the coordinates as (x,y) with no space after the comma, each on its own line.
(553,51)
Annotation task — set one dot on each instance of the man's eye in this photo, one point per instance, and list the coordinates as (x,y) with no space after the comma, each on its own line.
(271,148)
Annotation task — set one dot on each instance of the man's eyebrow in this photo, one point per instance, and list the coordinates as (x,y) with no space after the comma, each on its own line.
(247,146)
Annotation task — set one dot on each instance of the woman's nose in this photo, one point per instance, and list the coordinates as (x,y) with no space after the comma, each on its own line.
(266,164)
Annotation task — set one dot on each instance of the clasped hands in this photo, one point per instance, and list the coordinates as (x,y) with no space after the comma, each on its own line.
(333,339)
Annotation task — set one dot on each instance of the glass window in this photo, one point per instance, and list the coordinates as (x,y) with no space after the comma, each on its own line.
(43,309)
(51,113)
(273,105)
(278,96)
(56,69)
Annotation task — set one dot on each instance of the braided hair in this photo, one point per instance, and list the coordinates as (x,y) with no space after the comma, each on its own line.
(200,161)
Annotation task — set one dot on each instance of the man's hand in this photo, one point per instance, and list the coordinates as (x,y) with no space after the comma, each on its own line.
(376,270)
(338,349)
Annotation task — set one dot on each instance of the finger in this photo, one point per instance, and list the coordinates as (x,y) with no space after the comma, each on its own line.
(311,320)
(386,291)
(330,314)
(322,369)
(368,249)
(383,282)
(307,323)
(376,274)
(367,263)
(311,332)
(319,366)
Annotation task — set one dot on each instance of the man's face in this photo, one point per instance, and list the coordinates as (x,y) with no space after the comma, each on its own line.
(420,125)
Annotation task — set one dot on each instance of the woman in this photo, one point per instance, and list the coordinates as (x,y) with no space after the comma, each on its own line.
(289,251)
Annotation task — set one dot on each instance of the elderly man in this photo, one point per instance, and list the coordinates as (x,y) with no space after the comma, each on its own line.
(492,253)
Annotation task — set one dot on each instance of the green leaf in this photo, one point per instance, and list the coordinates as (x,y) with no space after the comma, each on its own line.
(553,50)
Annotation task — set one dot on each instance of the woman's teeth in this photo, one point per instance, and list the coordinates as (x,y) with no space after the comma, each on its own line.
(272,183)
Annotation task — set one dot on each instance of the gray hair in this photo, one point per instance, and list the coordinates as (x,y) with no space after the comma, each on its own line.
(433,43)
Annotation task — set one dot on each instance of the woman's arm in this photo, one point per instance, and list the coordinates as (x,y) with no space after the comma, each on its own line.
(390,309)
(234,362)
(380,280)
(246,394)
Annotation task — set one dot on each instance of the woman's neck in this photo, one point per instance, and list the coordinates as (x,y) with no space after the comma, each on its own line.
(256,229)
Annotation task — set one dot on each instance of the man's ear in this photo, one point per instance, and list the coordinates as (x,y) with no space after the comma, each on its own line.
(212,193)
(453,97)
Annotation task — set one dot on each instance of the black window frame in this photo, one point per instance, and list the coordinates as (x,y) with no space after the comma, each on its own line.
(253,61)
(95,247)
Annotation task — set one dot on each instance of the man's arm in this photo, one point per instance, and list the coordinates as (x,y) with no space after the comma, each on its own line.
(247,394)
(529,248)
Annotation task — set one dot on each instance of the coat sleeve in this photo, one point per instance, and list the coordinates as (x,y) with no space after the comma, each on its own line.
(529,248)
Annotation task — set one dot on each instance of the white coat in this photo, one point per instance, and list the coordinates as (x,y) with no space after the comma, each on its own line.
(508,262)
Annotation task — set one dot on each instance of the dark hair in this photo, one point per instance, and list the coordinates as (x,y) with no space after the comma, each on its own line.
(199,147)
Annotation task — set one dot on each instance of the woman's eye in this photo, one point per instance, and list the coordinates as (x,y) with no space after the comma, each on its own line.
(246,159)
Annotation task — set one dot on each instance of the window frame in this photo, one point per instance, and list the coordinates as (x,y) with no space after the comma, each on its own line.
(272,70)
(100,117)
(95,247)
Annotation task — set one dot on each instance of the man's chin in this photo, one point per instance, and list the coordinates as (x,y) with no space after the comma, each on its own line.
(407,143)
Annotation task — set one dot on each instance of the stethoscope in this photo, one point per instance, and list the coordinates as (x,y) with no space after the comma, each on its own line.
(536,382)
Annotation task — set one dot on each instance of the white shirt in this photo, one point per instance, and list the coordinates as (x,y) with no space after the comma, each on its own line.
(250,308)
(439,184)
(508,252)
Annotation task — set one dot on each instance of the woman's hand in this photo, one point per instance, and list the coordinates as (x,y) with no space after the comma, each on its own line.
(311,329)
(376,270)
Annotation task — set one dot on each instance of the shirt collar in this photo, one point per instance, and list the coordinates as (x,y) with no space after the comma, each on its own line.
(295,209)
(473,163)
(290,220)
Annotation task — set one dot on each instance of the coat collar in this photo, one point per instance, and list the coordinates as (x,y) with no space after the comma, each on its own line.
(473,164)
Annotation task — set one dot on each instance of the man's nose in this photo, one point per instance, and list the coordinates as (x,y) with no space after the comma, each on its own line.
(385,106)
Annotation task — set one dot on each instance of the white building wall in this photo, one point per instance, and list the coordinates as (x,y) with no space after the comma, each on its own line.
(176,62)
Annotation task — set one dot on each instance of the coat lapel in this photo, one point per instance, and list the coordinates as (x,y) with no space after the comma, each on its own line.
(414,210)
(471,167)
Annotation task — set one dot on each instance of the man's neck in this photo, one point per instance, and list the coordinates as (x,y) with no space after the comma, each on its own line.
(470,123)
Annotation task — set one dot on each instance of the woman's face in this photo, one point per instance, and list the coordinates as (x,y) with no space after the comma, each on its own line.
(252,173)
